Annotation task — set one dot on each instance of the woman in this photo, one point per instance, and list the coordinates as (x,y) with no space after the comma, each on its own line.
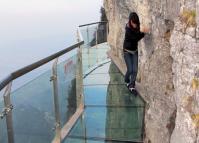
(132,36)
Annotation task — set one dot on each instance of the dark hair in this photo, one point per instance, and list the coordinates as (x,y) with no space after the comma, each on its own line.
(134,17)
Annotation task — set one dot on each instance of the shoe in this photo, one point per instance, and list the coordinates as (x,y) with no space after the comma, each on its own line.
(127,85)
(132,90)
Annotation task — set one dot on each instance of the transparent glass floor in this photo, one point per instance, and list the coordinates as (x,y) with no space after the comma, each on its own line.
(112,114)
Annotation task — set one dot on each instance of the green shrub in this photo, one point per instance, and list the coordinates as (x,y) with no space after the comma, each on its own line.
(189,17)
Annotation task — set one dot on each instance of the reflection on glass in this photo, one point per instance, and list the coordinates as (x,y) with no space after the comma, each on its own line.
(102,33)
(67,89)
(127,120)
(94,34)
(88,34)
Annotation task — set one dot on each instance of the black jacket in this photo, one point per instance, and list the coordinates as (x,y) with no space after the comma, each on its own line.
(131,39)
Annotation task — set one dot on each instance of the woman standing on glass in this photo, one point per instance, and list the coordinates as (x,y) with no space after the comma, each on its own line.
(133,34)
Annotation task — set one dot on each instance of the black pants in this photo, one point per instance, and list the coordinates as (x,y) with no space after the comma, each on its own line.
(131,61)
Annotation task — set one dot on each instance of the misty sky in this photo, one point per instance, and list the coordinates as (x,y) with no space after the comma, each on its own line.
(33,29)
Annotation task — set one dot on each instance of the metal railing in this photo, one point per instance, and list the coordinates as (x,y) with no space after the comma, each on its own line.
(6,83)
(37,64)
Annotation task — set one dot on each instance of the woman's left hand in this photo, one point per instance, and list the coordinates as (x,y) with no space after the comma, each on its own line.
(144,29)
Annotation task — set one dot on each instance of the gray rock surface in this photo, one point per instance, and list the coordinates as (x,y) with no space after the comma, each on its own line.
(168,65)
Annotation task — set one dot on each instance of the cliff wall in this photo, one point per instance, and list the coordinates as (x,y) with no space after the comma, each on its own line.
(168,64)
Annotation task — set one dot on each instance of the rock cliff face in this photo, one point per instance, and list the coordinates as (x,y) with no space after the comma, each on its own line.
(168,64)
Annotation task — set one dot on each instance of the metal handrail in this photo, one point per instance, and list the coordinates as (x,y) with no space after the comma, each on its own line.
(93,23)
(41,62)
(35,65)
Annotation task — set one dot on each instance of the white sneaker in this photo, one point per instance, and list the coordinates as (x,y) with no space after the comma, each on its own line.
(127,84)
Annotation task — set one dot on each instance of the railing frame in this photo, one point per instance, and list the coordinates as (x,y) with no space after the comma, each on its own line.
(6,84)
(8,107)
(57,138)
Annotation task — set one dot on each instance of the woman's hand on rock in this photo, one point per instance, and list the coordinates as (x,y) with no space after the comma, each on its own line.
(144,29)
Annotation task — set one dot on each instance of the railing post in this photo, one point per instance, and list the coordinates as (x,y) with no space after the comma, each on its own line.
(8,113)
(87,30)
(79,76)
(57,138)
(83,125)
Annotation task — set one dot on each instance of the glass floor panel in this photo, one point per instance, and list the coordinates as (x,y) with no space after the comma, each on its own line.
(106,68)
(122,124)
(96,79)
(88,69)
(110,95)
(89,64)
(112,114)
(94,50)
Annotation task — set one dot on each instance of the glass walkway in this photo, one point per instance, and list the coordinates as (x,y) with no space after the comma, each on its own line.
(112,114)
(84,86)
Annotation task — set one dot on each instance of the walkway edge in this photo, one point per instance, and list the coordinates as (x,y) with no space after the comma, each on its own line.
(70,124)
